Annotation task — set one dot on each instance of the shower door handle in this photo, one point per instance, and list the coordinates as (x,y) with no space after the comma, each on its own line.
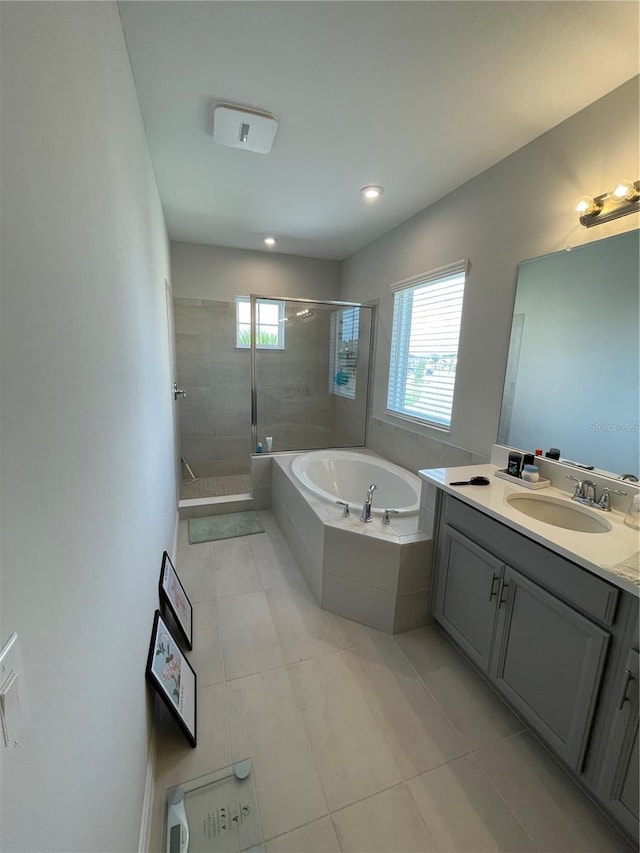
(178,392)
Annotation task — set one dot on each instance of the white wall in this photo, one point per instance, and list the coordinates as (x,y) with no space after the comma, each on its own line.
(518,209)
(88,489)
(216,272)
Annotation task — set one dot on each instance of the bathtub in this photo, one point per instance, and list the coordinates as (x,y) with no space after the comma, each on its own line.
(378,574)
(346,475)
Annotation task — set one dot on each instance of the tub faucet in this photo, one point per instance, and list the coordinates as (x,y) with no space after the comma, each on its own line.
(365,515)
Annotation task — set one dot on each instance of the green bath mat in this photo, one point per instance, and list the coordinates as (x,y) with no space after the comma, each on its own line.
(224,526)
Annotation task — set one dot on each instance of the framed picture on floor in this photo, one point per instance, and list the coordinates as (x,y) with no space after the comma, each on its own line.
(173,677)
(172,594)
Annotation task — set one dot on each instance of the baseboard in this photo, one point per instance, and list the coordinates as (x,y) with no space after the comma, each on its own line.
(147,802)
(174,549)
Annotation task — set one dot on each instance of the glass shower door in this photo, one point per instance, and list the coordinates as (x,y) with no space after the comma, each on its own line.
(312,376)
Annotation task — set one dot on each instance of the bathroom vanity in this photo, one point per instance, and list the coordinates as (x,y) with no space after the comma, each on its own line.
(544,614)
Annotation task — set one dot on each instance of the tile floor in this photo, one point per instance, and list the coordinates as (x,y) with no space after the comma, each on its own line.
(360,741)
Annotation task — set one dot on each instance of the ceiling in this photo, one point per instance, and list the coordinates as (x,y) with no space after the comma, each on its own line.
(418,97)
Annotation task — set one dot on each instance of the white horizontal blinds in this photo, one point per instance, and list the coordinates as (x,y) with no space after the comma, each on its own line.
(424,344)
(345,326)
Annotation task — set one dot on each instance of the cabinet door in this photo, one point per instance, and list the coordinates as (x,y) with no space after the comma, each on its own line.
(468,581)
(548,662)
(619,778)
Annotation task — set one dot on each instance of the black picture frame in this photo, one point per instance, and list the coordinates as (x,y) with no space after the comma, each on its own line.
(173,678)
(174,597)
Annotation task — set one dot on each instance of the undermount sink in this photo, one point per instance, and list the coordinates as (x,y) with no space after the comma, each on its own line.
(559,513)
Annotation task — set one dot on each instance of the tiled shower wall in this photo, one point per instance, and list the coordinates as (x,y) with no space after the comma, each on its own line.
(215,416)
(294,406)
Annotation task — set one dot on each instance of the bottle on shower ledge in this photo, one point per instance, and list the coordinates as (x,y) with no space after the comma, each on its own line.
(269,443)
(259,447)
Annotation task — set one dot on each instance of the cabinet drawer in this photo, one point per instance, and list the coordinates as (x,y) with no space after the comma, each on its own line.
(577,586)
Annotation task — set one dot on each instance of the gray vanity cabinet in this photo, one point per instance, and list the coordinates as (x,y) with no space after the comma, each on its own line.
(619,779)
(548,662)
(557,642)
(468,585)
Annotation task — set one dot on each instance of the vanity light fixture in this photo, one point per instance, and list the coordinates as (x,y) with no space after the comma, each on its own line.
(372,193)
(622,199)
(270,241)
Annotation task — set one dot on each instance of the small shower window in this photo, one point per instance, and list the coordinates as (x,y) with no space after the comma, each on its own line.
(345,326)
(269,323)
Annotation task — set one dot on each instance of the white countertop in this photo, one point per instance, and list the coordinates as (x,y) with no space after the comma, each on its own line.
(600,553)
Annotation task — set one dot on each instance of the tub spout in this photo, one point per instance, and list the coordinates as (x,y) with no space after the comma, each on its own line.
(365,515)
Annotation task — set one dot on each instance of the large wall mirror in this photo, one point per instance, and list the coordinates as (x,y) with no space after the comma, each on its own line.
(573,367)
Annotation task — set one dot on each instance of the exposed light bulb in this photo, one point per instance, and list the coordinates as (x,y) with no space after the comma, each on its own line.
(586,205)
(624,189)
(269,241)
(371,193)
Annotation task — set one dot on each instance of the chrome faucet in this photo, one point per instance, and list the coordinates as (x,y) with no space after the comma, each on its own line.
(589,488)
(605,501)
(365,515)
(345,509)
(585,493)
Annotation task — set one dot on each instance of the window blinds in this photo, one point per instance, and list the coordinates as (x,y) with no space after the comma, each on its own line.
(345,325)
(427,311)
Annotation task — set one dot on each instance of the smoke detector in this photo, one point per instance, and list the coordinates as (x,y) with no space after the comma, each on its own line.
(243,127)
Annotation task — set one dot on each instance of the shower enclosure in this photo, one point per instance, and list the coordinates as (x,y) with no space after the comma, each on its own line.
(294,371)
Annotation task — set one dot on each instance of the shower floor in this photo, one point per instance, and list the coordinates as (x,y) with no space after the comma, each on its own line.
(216,487)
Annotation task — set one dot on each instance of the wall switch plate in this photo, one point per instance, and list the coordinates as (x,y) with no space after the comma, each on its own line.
(12,702)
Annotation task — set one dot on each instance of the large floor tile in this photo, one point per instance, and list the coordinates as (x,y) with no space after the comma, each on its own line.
(195,569)
(206,657)
(316,837)
(549,805)
(177,760)
(427,649)
(388,822)
(249,640)
(349,633)
(413,725)
(267,727)
(183,533)
(270,524)
(275,563)
(352,756)
(235,568)
(463,811)
(303,628)
(479,716)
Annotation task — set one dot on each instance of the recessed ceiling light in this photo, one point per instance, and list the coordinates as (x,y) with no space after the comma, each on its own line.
(371,193)
(269,241)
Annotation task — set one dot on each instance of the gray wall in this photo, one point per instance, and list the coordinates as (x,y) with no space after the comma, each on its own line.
(216,272)
(88,486)
(518,209)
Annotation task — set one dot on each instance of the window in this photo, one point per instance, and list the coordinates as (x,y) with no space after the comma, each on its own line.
(345,325)
(269,323)
(427,311)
